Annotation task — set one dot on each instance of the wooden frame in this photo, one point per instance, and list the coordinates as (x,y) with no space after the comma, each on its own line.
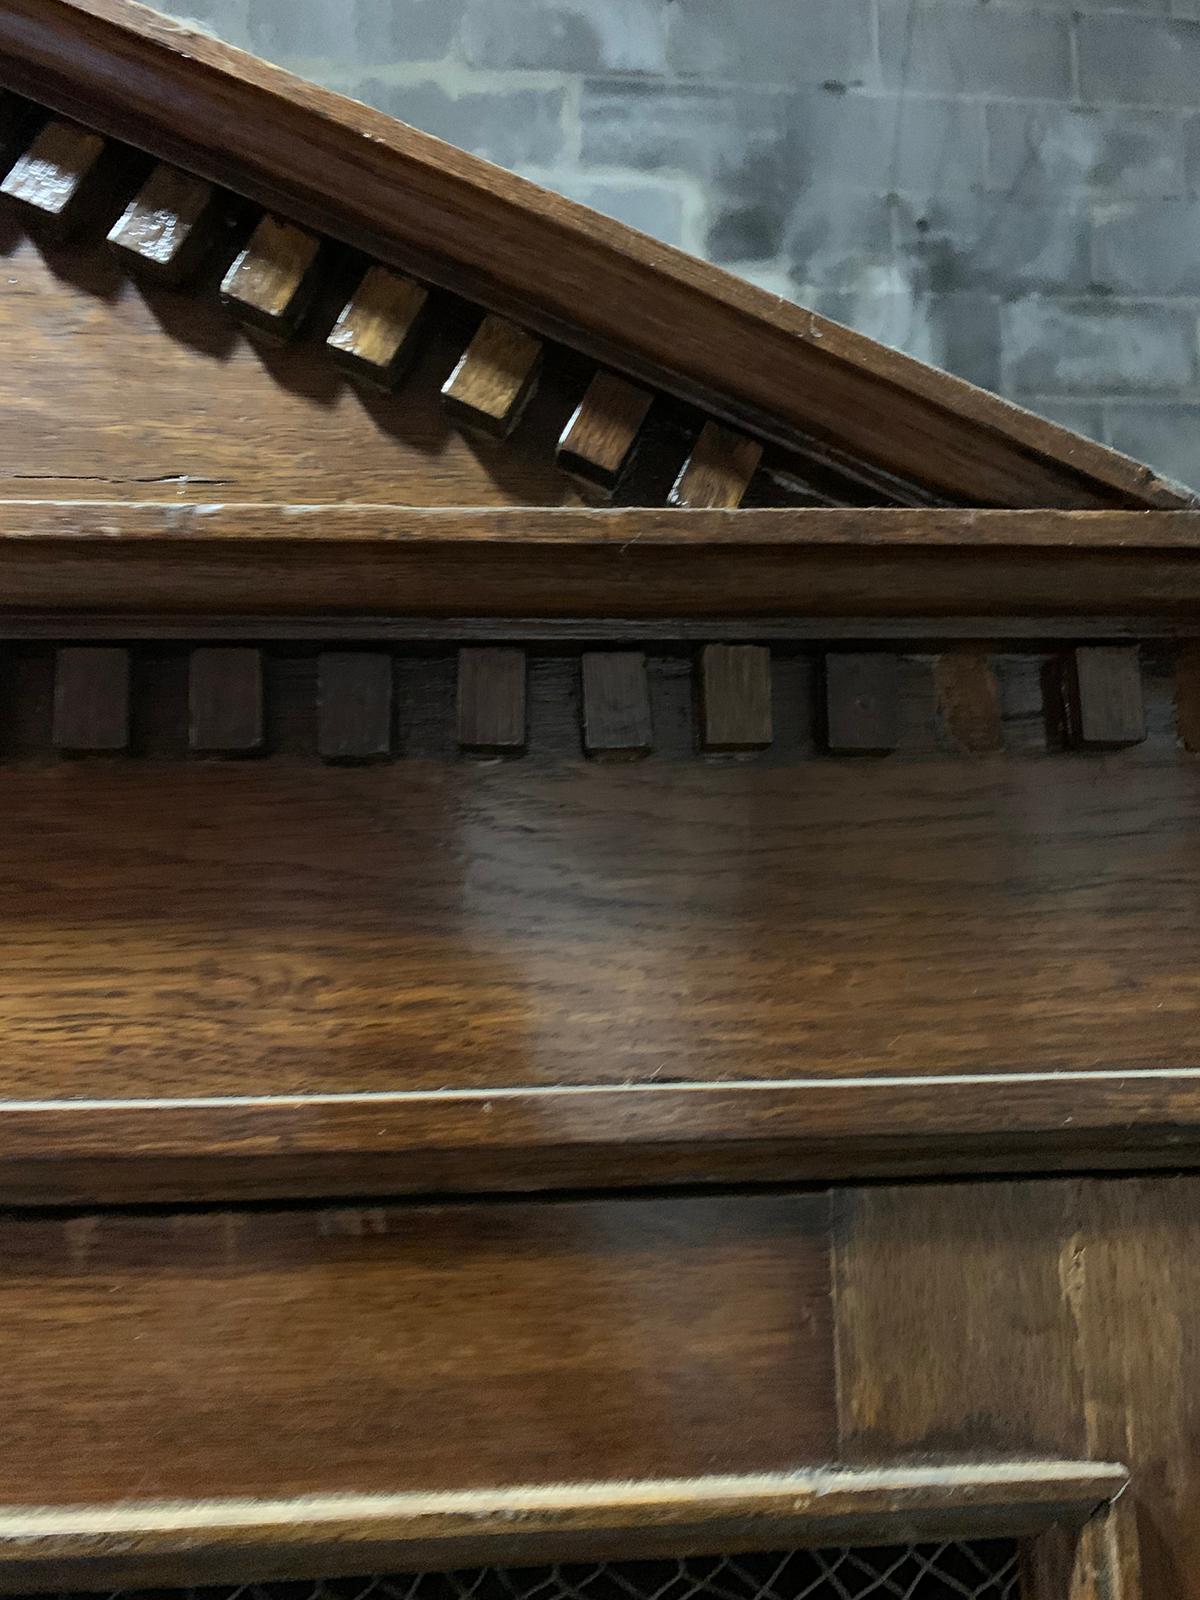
(213,1541)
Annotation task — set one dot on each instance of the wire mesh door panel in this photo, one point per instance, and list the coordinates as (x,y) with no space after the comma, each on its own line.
(978,1570)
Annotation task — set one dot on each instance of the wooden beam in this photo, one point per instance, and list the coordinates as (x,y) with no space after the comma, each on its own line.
(399,561)
(659,316)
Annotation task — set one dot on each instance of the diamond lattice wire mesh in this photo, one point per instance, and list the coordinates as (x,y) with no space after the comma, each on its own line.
(984,1570)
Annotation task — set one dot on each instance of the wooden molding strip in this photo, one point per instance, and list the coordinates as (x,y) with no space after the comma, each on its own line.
(215,1540)
(524,1140)
(226,559)
(654,313)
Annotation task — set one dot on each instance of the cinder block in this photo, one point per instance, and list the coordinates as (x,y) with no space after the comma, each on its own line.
(956,243)
(695,128)
(958,49)
(837,235)
(657,208)
(1044,151)
(1149,247)
(774,41)
(1133,59)
(886,141)
(567,35)
(517,128)
(1093,348)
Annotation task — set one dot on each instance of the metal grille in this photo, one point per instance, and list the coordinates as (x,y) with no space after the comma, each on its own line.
(984,1570)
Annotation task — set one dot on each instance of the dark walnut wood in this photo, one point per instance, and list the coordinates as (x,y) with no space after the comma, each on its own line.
(491,702)
(271,283)
(598,442)
(658,316)
(735,686)
(617,720)
(355,705)
(375,334)
(91,699)
(862,702)
(168,226)
(496,378)
(1104,689)
(226,701)
(321,560)
(718,471)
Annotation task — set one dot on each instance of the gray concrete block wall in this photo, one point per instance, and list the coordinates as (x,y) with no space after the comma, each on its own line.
(1007,188)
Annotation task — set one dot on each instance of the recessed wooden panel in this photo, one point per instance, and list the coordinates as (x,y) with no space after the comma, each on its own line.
(272,280)
(168,225)
(598,442)
(91,699)
(1104,689)
(719,469)
(51,178)
(735,687)
(355,705)
(969,700)
(495,380)
(384,1349)
(616,705)
(862,703)
(226,701)
(375,333)
(491,701)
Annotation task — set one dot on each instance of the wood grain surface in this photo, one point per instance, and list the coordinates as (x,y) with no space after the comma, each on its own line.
(168,225)
(165,398)
(390,1349)
(411,202)
(296,560)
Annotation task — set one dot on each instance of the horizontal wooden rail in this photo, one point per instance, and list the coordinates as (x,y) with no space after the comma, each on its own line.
(127,559)
(100,1152)
(223,1540)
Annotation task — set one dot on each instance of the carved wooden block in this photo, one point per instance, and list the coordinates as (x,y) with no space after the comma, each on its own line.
(91,699)
(271,282)
(719,470)
(616,705)
(495,379)
(969,700)
(491,702)
(735,683)
(1105,707)
(226,701)
(862,703)
(167,226)
(52,177)
(598,442)
(354,712)
(374,336)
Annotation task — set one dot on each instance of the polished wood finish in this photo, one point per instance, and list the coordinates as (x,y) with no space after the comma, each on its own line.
(617,720)
(209,1540)
(375,333)
(355,705)
(496,378)
(225,701)
(735,688)
(410,202)
(491,702)
(1187,695)
(91,699)
(51,179)
(1104,687)
(168,225)
(335,1351)
(321,559)
(271,282)
(598,442)
(718,471)
(862,702)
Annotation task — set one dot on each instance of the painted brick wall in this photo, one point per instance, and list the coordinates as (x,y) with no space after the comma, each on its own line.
(1006,188)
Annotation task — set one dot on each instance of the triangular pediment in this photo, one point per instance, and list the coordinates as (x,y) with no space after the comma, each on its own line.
(473,303)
